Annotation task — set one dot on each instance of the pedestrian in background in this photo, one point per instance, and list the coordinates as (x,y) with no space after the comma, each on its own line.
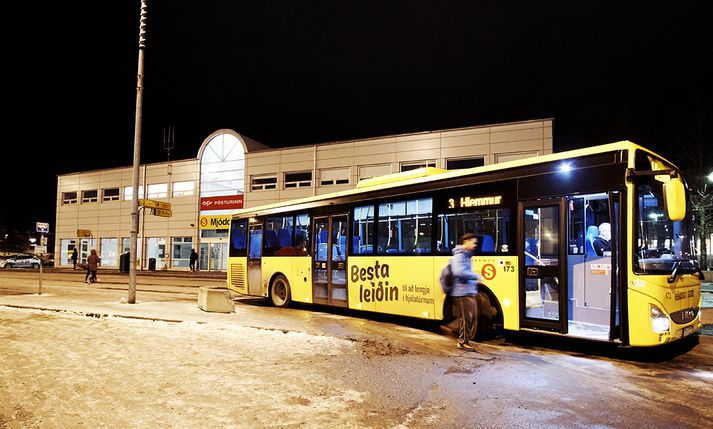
(74,258)
(194,259)
(464,289)
(92,263)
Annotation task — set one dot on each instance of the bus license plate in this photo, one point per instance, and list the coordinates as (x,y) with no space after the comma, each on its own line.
(687,331)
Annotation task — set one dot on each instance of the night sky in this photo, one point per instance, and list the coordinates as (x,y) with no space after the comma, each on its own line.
(302,72)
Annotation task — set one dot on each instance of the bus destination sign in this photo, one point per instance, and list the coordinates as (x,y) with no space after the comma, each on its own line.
(468,201)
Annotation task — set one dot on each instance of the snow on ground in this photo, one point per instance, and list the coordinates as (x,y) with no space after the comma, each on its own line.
(64,370)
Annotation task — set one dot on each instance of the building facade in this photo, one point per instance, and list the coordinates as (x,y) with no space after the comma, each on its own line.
(232,172)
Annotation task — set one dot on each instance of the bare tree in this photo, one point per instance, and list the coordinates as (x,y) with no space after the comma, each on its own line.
(693,139)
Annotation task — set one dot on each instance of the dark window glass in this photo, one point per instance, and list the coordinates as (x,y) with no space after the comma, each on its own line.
(455,164)
(238,237)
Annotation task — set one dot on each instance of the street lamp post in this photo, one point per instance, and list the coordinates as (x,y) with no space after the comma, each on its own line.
(137,156)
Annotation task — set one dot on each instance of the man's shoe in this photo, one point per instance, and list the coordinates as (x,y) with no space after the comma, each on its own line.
(465,346)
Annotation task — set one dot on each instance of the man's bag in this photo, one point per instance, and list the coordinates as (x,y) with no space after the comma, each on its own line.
(447,278)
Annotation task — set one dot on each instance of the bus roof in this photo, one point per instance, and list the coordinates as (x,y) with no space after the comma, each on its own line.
(424,175)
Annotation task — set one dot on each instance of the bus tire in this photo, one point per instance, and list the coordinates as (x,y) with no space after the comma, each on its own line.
(280,294)
(485,316)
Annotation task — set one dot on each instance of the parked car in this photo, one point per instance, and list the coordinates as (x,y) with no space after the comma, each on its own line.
(21,261)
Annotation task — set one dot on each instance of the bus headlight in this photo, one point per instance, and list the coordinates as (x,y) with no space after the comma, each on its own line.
(659,320)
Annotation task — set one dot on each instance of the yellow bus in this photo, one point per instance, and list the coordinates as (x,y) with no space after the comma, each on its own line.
(593,243)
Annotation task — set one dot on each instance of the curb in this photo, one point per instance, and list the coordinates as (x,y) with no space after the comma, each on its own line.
(91,314)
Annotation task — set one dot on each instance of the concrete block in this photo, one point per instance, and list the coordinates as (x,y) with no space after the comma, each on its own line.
(215,300)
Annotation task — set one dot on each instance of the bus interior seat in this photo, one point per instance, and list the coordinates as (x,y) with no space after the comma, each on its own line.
(369,248)
(486,243)
(531,248)
(239,240)
(271,239)
(322,236)
(255,241)
(592,233)
(342,246)
(356,247)
(321,251)
(284,237)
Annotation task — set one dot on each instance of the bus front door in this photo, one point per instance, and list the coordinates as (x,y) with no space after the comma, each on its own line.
(255,259)
(329,281)
(543,286)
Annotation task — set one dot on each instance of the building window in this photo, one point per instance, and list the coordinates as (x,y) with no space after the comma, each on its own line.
(222,167)
(69,198)
(90,196)
(181,252)
(298,179)
(111,194)
(158,190)
(412,165)
(337,176)
(457,164)
(182,189)
(261,183)
(369,171)
(109,252)
(129,192)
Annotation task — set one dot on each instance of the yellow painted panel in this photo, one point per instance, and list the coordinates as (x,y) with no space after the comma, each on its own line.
(354,280)
(237,279)
(272,265)
(301,280)
(501,277)
(395,285)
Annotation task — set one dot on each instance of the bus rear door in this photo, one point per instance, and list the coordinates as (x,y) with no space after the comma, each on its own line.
(329,279)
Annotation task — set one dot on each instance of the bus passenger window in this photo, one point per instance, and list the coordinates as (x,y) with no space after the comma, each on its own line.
(363,230)
(491,226)
(405,227)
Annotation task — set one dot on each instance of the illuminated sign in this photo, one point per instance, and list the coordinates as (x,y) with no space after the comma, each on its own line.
(468,201)
(214,222)
(222,203)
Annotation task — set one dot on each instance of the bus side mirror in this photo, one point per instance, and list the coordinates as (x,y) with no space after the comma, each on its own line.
(675,199)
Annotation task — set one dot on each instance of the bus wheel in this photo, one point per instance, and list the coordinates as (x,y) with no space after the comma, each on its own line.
(280,292)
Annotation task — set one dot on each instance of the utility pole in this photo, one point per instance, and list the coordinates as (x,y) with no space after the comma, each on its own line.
(137,156)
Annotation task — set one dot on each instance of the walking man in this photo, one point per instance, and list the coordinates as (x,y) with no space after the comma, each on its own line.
(464,290)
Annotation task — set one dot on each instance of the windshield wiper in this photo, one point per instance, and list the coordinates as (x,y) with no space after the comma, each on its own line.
(674,272)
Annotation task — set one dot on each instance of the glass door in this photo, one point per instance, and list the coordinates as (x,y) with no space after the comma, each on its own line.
(329,284)
(255,259)
(543,287)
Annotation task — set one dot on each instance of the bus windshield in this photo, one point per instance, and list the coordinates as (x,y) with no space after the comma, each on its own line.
(662,245)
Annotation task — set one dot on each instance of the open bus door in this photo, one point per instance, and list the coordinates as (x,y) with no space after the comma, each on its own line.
(543,281)
(255,259)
